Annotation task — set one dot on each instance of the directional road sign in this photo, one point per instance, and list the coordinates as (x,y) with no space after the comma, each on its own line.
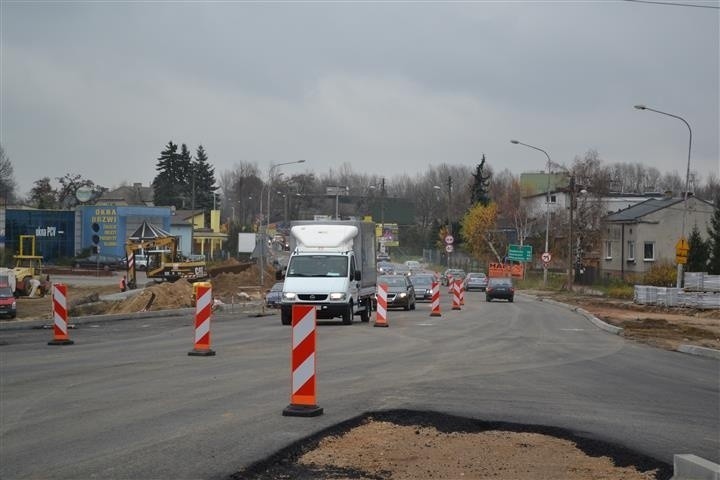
(520,253)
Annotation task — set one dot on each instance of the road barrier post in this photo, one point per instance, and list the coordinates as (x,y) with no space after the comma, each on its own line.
(303,399)
(203,314)
(381,310)
(435,305)
(60,327)
(456,295)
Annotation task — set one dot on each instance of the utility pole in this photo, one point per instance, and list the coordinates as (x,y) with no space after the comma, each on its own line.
(449,227)
(382,216)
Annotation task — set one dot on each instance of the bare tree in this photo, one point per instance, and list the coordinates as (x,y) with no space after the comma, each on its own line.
(7,178)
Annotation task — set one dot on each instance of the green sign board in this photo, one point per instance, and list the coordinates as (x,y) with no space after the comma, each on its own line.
(520,253)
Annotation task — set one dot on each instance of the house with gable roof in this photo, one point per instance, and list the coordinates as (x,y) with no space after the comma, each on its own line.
(645,234)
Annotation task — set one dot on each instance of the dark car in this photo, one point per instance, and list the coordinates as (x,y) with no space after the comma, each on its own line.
(385,268)
(400,293)
(500,287)
(8,305)
(423,286)
(273,296)
(105,262)
(476,281)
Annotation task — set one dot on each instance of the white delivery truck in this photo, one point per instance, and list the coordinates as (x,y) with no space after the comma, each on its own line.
(332,267)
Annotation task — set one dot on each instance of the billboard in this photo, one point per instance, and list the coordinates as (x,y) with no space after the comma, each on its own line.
(388,234)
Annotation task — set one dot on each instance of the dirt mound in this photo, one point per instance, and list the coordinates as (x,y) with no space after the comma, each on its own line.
(230,265)
(162,296)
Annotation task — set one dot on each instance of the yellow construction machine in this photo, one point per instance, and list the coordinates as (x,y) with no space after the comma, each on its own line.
(28,267)
(164,262)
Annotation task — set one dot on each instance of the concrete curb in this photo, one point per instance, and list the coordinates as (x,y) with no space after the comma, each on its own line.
(689,349)
(692,467)
(592,318)
(700,351)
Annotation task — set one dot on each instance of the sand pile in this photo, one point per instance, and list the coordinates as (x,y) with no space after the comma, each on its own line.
(162,296)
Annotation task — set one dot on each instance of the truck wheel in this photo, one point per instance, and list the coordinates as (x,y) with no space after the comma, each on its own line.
(285,316)
(347,316)
(365,314)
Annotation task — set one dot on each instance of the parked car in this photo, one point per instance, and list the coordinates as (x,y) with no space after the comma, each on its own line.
(476,281)
(423,286)
(500,287)
(106,262)
(273,296)
(401,293)
(455,273)
(8,305)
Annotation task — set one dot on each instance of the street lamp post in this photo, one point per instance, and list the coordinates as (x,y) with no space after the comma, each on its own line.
(547,206)
(687,182)
(271,172)
(449,209)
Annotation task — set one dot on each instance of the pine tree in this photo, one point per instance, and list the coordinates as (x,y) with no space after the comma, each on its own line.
(481,185)
(184,176)
(203,180)
(714,240)
(698,254)
(165,182)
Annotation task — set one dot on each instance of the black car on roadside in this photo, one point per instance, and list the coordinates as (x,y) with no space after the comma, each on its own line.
(103,262)
(400,292)
(423,286)
(500,287)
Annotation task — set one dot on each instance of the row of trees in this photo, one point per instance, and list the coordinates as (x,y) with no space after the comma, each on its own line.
(481,207)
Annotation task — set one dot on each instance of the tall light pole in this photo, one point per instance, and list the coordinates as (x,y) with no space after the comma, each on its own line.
(271,172)
(547,206)
(449,209)
(687,182)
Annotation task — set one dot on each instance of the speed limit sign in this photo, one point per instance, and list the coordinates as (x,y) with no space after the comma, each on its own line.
(448,248)
(449,240)
(546,257)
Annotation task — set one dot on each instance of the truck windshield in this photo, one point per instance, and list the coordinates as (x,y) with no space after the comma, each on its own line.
(318,266)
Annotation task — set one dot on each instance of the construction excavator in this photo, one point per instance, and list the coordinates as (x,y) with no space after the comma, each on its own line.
(164,262)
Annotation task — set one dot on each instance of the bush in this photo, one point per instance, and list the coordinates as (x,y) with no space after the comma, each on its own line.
(621,291)
(661,275)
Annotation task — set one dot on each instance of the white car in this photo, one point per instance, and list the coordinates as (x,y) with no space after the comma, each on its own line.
(413,265)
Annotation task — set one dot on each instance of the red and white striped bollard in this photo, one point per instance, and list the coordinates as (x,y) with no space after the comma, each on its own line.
(60,326)
(381,309)
(203,314)
(303,398)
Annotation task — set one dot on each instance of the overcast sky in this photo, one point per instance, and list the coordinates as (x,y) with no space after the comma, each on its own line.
(99,89)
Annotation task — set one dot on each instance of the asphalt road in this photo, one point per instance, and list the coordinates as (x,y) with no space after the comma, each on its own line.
(126,401)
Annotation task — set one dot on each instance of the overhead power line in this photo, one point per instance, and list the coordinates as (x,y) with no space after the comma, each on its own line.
(676,4)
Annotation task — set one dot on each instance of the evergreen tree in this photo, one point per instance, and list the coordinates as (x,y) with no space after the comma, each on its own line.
(184,177)
(481,185)
(714,240)
(168,185)
(203,180)
(698,254)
